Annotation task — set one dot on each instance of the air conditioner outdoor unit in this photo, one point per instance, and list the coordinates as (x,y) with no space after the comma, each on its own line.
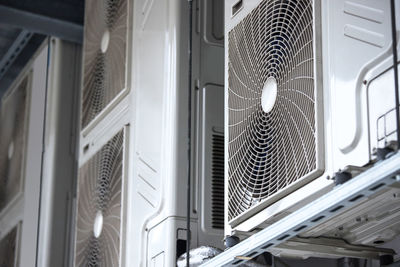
(14,129)
(307,84)
(105,59)
(33,192)
(133,140)
(101,196)
(157,234)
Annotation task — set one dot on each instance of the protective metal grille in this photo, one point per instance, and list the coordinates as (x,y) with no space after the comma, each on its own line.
(99,195)
(8,249)
(12,142)
(104,55)
(270,149)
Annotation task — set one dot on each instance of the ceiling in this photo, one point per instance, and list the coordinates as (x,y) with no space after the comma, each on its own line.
(24,24)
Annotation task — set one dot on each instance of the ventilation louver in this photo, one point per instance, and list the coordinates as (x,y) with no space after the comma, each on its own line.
(12,142)
(218,181)
(98,230)
(104,55)
(8,249)
(271,104)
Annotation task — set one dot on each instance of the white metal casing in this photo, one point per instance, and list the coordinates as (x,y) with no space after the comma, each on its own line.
(60,151)
(160,132)
(355,44)
(35,210)
(24,210)
(155,107)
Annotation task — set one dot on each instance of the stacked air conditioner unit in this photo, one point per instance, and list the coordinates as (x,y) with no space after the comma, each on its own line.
(101,201)
(157,215)
(309,94)
(131,192)
(30,195)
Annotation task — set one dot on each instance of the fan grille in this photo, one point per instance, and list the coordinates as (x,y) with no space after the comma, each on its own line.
(99,190)
(104,70)
(8,249)
(269,151)
(12,142)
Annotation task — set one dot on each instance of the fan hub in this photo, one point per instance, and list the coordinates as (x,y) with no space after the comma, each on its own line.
(98,224)
(105,41)
(269,94)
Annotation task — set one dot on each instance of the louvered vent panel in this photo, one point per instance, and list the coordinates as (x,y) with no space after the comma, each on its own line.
(104,55)
(218,181)
(8,249)
(98,232)
(272,146)
(12,142)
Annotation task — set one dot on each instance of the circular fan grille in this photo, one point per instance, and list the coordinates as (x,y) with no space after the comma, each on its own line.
(268,151)
(12,137)
(99,192)
(104,70)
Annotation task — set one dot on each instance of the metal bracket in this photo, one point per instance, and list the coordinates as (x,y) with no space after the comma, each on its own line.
(342,197)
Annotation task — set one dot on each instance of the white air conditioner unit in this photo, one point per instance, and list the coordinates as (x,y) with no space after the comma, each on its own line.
(105,59)
(100,212)
(35,206)
(156,222)
(21,131)
(100,208)
(306,86)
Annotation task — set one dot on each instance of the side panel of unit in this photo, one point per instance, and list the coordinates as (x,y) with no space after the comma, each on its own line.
(159,150)
(208,161)
(59,160)
(33,168)
(361,34)
(160,132)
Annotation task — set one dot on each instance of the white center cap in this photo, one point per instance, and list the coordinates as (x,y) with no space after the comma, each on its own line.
(98,224)
(105,40)
(268,95)
(10,150)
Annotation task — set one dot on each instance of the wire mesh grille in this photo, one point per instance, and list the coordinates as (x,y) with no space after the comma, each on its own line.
(12,142)
(8,249)
(104,56)
(99,190)
(269,151)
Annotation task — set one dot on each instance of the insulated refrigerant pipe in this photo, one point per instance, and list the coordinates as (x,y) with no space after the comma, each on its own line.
(395,70)
(189,135)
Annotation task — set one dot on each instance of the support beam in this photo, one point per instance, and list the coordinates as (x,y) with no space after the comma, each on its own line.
(14,50)
(42,24)
(322,209)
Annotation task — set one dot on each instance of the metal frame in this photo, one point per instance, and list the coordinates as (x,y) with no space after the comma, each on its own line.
(14,50)
(322,209)
(42,24)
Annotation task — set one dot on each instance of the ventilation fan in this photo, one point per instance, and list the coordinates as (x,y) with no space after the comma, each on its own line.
(8,249)
(12,142)
(104,55)
(98,230)
(272,108)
